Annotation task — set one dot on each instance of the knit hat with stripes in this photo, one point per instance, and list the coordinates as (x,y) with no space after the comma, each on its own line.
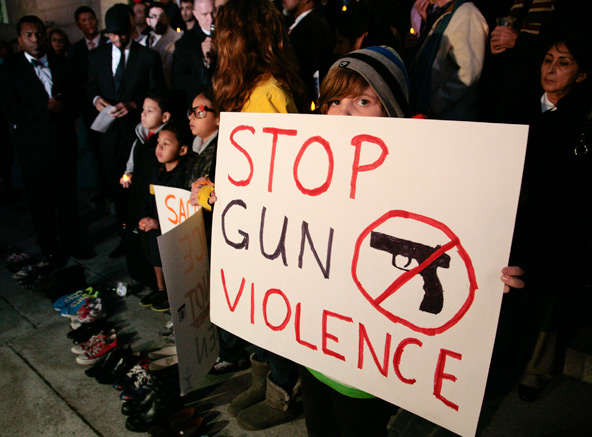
(385,72)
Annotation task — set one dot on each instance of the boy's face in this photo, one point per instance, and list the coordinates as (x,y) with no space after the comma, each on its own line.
(168,149)
(366,104)
(202,127)
(152,116)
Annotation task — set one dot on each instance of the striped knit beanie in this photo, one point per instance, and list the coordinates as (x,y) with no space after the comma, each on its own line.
(385,72)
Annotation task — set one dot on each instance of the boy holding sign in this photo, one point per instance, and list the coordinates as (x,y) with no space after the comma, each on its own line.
(171,150)
(371,82)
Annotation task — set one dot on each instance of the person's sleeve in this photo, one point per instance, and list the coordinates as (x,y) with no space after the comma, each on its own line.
(129,166)
(467,35)
(156,76)
(93,79)
(181,76)
(14,107)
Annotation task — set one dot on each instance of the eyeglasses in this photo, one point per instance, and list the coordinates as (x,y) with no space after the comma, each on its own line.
(199,111)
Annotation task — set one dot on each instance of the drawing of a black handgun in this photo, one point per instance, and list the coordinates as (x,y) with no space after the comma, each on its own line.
(433,299)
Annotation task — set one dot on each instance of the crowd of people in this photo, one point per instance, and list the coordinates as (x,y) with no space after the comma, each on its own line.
(163,72)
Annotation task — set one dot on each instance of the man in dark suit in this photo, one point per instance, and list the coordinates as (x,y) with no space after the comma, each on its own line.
(88,24)
(313,42)
(120,76)
(192,69)
(38,97)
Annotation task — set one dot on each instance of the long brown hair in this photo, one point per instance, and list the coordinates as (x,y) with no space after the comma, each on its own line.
(251,41)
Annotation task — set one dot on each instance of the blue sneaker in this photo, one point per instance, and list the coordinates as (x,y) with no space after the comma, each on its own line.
(68,299)
(76,305)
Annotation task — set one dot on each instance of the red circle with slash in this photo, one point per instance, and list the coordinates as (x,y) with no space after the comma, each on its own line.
(405,277)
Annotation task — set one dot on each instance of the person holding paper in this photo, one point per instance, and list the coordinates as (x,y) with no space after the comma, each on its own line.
(120,76)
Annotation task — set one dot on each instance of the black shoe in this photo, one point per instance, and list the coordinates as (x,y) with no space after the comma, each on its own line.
(138,406)
(153,296)
(86,331)
(162,303)
(107,362)
(529,394)
(119,251)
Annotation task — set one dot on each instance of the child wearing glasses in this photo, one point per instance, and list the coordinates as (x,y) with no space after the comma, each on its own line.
(203,122)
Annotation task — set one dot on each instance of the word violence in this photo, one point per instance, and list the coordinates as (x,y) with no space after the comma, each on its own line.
(385,354)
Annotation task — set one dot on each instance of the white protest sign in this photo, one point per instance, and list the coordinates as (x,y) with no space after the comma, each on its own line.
(185,265)
(369,249)
(173,207)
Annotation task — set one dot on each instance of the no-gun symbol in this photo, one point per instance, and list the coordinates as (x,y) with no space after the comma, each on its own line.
(433,299)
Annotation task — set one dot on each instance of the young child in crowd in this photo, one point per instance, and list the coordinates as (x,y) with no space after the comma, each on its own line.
(203,122)
(371,82)
(156,112)
(173,171)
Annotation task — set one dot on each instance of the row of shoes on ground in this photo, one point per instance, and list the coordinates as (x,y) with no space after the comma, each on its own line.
(151,396)
(137,382)
(149,383)
(33,275)
(157,300)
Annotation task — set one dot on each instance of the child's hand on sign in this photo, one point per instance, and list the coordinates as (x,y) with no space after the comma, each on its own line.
(126,180)
(510,277)
(202,193)
(148,224)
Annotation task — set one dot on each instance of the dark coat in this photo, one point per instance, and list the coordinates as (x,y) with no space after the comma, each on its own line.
(554,214)
(313,44)
(143,74)
(189,74)
(39,134)
(46,146)
(78,57)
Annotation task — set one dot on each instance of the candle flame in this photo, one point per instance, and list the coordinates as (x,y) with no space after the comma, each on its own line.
(312,106)
(126,177)
(344,8)
(178,29)
(412,31)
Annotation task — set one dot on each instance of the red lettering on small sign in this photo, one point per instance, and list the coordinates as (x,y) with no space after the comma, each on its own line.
(166,203)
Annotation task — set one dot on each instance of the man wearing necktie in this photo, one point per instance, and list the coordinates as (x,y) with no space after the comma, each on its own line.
(120,75)
(38,97)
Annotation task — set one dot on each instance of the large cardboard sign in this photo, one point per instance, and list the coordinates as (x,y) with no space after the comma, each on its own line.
(184,257)
(369,249)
